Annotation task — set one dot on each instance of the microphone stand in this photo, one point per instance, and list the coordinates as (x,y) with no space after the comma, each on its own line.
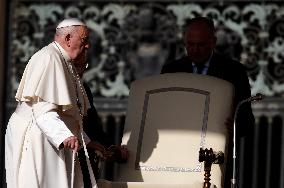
(257,97)
(233,180)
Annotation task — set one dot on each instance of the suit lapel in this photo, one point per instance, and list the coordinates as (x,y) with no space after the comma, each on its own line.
(215,66)
(187,65)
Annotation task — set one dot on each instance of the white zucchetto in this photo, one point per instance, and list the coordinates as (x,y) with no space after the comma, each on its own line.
(70,22)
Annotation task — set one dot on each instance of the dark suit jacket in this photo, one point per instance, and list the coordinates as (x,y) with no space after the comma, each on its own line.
(93,128)
(235,73)
(92,123)
(231,71)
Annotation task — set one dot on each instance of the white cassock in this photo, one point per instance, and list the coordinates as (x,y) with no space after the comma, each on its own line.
(46,115)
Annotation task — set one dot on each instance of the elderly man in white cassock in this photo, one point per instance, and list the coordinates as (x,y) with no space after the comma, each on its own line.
(45,132)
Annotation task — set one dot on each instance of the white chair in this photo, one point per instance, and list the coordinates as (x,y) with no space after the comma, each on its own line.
(169,118)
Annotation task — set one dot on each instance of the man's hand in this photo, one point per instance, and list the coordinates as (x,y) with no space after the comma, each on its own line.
(99,149)
(124,153)
(119,153)
(71,142)
(113,153)
(95,146)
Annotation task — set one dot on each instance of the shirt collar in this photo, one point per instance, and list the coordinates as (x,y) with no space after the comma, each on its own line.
(62,51)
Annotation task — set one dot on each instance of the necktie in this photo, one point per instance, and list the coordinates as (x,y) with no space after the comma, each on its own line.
(199,68)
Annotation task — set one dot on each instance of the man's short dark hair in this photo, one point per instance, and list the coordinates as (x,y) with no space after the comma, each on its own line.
(207,21)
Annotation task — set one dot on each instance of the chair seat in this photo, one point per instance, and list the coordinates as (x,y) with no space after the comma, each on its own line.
(110,184)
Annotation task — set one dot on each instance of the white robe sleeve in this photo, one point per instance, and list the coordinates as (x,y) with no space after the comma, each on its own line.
(53,127)
(49,122)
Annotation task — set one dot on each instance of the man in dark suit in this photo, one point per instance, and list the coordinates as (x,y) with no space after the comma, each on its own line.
(200,42)
(100,145)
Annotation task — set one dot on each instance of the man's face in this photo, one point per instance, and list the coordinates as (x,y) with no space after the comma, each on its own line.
(79,42)
(199,43)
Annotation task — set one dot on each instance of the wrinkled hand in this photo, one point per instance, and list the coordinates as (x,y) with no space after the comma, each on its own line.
(71,142)
(96,146)
(124,153)
(98,149)
(117,153)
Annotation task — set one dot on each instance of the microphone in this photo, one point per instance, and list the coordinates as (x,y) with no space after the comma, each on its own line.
(255,98)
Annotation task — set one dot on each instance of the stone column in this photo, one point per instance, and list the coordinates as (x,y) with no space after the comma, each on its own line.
(3,25)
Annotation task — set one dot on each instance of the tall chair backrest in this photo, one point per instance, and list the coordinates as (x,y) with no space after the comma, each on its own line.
(169,118)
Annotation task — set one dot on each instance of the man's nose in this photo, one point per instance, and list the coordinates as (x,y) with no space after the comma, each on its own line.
(196,47)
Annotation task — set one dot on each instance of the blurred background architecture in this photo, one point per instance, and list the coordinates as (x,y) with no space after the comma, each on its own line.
(132,39)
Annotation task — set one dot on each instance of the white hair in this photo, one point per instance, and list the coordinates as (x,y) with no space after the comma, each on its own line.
(65,30)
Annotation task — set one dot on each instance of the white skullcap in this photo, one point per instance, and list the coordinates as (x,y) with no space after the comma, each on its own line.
(70,22)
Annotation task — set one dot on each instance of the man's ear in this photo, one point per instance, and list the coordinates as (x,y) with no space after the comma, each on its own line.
(68,39)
